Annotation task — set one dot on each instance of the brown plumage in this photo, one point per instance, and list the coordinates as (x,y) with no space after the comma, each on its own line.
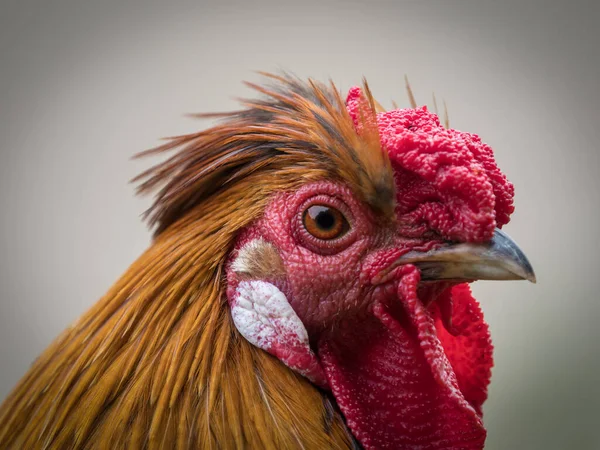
(157,362)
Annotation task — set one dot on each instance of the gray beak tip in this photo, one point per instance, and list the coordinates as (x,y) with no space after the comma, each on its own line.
(531,277)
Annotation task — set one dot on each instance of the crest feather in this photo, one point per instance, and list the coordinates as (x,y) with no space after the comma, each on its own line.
(298,131)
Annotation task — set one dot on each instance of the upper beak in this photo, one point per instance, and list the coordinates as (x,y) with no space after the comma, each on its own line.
(498,259)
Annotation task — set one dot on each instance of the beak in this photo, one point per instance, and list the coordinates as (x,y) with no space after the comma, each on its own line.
(498,259)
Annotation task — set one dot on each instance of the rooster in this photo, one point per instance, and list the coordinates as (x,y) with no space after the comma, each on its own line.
(306,288)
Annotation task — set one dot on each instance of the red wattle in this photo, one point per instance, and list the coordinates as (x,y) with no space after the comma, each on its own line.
(470,351)
(394,382)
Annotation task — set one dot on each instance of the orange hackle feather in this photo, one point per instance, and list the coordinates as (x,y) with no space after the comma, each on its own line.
(157,362)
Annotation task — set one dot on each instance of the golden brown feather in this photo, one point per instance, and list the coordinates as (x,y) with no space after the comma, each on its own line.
(157,363)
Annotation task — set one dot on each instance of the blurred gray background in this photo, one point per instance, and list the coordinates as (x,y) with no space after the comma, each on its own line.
(84,85)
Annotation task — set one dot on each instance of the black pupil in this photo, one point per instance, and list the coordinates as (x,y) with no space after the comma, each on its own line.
(323,217)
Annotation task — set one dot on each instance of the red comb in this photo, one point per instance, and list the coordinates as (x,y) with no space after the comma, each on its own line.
(447,180)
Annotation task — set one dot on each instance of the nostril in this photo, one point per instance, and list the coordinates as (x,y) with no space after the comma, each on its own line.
(431,234)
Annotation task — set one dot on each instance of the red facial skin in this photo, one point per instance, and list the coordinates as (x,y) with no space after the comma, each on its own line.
(329,280)
(407,363)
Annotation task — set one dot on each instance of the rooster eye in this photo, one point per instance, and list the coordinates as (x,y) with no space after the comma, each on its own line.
(325,222)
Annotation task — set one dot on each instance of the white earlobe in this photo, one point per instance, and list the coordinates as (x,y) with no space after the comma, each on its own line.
(263,315)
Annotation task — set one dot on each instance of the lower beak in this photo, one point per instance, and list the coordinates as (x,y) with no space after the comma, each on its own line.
(498,259)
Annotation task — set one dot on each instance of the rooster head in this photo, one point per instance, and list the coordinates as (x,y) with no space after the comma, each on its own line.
(357,280)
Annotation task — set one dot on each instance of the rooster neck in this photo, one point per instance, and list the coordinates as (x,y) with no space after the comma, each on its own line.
(161,366)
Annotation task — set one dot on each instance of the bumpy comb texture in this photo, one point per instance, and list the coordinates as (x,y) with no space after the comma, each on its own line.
(446,180)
